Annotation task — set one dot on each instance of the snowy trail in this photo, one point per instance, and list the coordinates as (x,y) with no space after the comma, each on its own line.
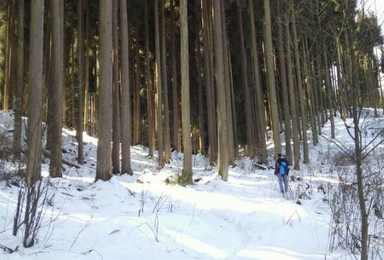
(143,217)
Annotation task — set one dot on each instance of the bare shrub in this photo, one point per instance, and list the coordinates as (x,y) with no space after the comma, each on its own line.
(341,159)
(32,205)
(345,224)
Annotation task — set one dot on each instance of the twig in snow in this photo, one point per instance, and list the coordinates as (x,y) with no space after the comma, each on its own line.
(7,249)
(193,214)
(86,225)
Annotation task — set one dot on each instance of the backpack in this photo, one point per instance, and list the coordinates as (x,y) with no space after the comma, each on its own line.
(283,167)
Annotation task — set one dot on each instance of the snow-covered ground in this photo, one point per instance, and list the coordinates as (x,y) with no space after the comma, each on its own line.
(146,216)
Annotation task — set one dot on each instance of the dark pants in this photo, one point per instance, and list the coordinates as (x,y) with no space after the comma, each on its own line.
(283,180)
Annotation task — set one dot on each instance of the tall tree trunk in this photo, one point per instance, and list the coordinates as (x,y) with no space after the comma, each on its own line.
(329,92)
(291,93)
(19,83)
(185,103)
(55,90)
(235,139)
(284,86)
(251,149)
(167,134)
(86,69)
(103,170)
(8,58)
(115,92)
(228,97)
(258,89)
(271,79)
(200,99)
(136,121)
(175,88)
(303,112)
(125,93)
(159,114)
(148,83)
(307,72)
(80,75)
(209,84)
(221,101)
(35,99)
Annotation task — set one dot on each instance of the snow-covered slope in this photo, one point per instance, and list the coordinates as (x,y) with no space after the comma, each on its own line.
(145,216)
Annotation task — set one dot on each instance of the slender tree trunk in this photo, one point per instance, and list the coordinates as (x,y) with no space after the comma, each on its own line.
(271,79)
(209,84)
(8,58)
(19,83)
(291,93)
(228,97)
(303,112)
(329,92)
(340,80)
(221,101)
(115,92)
(103,170)
(159,114)
(167,134)
(307,72)
(136,121)
(175,88)
(125,93)
(149,86)
(250,151)
(35,99)
(200,99)
(65,61)
(185,102)
(55,90)
(258,90)
(86,69)
(236,142)
(284,86)
(80,60)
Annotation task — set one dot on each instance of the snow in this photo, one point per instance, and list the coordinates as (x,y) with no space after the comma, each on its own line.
(144,217)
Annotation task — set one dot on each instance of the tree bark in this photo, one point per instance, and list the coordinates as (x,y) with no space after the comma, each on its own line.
(228,97)
(136,121)
(103,170)
(284,86)
(125,93)
(209,84)
(148,83)
(55,90)
(80,75)
(329,92)
(250,151)
(271,79)
(185,102)
(159,114)
(35,99)
(175,88)
(86,69)
(303,112)
(19,83)
(291,93)
(258,89)
(115,92)
(167,134)
(200,99)
(221,101)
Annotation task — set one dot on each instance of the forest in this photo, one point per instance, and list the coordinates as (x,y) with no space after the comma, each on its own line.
(214,86)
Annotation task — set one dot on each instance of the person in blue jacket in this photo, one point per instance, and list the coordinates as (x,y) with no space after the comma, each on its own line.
(282,171)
